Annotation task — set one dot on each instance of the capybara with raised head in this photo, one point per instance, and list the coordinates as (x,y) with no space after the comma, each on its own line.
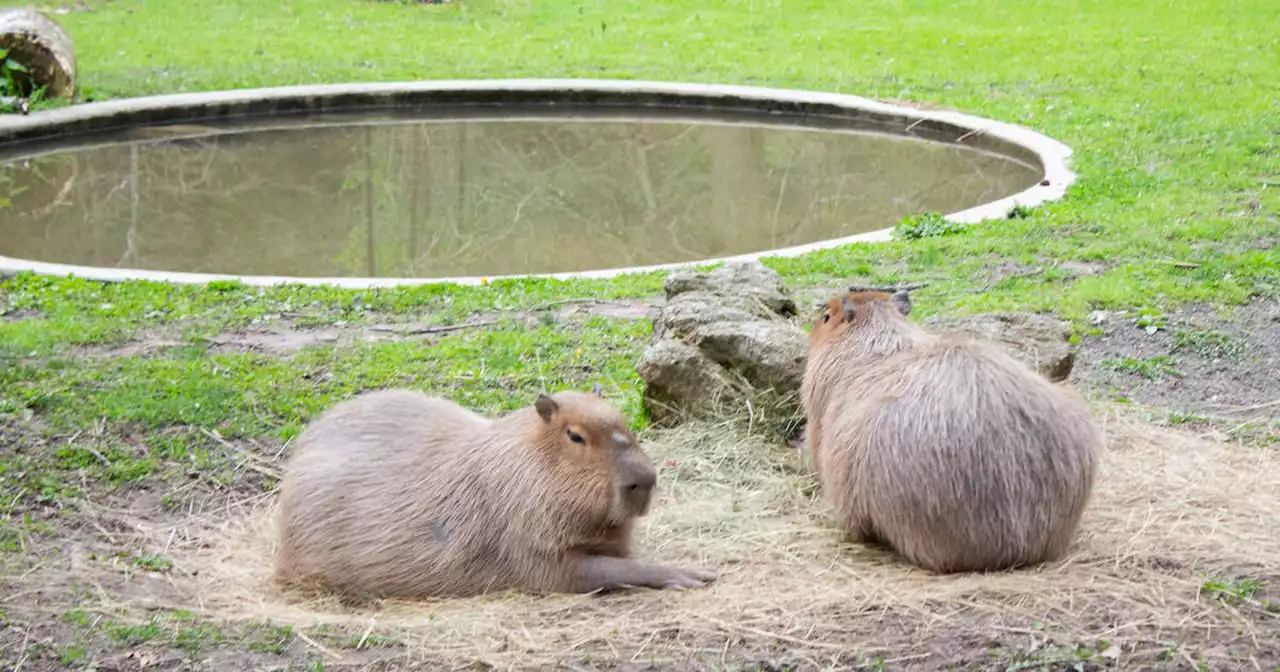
(396,494)
(947,450)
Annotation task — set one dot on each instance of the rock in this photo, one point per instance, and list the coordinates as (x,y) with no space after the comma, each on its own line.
(750,281)
(1039,340)
(769,355)
(685,280)
(724,337)
(680,380)
(686,312)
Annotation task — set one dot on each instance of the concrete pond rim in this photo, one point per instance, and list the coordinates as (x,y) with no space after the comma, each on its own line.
(1015,142)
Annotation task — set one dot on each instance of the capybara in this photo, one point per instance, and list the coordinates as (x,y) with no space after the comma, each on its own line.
(947,450)
(397,494)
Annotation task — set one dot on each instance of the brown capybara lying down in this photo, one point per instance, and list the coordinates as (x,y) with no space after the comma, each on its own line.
(949,451)
(395,494)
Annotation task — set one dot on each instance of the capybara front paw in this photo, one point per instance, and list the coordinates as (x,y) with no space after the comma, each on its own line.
(683,579)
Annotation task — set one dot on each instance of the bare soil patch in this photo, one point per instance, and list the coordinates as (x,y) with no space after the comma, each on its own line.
(1196,360)
(1177,564)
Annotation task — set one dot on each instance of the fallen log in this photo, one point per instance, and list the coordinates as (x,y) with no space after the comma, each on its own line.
(42,48)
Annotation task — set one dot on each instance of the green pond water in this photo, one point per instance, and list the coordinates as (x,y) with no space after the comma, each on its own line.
(389,196)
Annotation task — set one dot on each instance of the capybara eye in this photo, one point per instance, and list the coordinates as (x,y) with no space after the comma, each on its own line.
(575,437)
(826,317)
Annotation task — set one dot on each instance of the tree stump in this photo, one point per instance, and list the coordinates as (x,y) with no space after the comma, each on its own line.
(43,48)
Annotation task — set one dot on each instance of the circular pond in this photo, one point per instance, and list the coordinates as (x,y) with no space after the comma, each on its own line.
(386,184)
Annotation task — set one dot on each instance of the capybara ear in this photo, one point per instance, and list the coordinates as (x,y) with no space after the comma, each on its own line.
(902,301)
(546,407)
(597,390)
(849,308)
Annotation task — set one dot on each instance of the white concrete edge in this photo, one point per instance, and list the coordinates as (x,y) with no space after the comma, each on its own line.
(1054,156)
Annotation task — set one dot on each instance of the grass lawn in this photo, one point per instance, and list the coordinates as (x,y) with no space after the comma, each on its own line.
(139,420)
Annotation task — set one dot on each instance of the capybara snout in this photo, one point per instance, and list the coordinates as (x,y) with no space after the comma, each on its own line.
(637,479)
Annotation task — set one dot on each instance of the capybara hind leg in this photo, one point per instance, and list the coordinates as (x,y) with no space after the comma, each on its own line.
(858,529)
(600,572)
(1057,547)
(864,535)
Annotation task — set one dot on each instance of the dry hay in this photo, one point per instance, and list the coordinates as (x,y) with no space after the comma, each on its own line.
(1171,511)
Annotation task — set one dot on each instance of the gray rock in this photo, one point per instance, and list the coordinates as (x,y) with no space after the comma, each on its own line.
(688,311)
(684,280)
(723,336)
(1041,341)
(751,281)
(769,355)
(680,381)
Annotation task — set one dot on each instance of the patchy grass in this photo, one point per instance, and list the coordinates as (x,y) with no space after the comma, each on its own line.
(927,225)
(1209,344)
(1153,367)
(139,421)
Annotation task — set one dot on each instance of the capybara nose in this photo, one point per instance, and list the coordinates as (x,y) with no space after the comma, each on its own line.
(642,482)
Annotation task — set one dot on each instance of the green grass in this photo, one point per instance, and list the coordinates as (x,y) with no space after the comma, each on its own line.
(1171,115)
(1149,367)
(1208,344)
(1232,590)
(1171,110)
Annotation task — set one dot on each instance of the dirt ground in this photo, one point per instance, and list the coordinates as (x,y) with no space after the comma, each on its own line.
(1194,363)
(1177,565)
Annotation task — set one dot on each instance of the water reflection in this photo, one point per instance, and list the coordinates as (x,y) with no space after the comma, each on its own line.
(437,198)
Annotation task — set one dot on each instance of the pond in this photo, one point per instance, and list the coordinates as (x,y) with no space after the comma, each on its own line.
(439,195)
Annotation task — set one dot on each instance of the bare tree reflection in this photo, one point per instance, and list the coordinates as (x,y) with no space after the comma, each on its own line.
(737,187)
(477,197)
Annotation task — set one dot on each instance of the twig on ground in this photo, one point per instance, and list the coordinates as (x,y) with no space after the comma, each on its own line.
(26,637)
(1178,263)
(564,302)
(905,659)
(100,456)
(1024,274)
(1250,409)
(317,645)
(773,635)
(251,460)
(438,329)
(276,457)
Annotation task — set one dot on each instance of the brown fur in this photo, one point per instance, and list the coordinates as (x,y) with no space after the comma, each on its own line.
(398,494)
(949,451)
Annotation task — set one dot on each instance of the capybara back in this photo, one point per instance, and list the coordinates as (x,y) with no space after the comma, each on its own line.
(953,453)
